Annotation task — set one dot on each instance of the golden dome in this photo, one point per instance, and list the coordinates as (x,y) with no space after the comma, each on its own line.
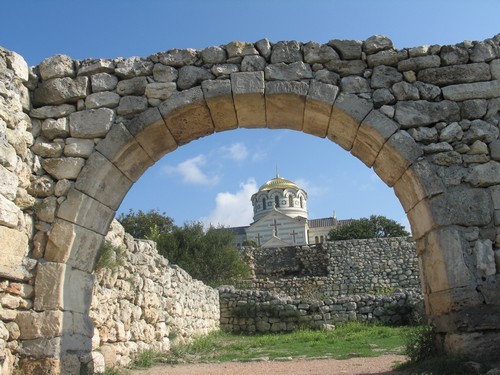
(278,183)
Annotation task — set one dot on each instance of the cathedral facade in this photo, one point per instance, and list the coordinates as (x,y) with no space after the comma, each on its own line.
(281,218)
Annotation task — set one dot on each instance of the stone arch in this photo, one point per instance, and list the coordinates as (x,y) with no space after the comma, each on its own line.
(389,108)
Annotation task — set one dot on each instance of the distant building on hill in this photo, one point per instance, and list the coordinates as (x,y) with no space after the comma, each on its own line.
(281,218)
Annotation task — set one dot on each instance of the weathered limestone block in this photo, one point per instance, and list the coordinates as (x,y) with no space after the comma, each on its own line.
(419,63)
(346,67)
(481,130)
(102,99)
(495,150)
(474,108)
(397,154)
(8,183)
(253,63)
(478,90)
(452,132)
(90,67)
(8,157)
(421,112)
(9,213)
(454,55)
(485,258)
(150,130)
(405,91)
(78,147)
(484,174)
(124,151)
(382,97)
(130,105)
(220,70)
(52,111)
(46,324)
(354,85)
(418,182)
(132,86)
(57,66)
(45,211)
(288,72)
(177,57)
(18,65)
(14,249)
(385,76)
(187,115)
(483,51)
(55,128)
(61,168)
(315,52)
(92,123)
(248,95)
(42,186)
(219,98)
(80,249)
(286,52)
(113,183)
(289,96)
(347,113)
(376,43)
(80,209)
(348,49)
(190,76)
(213,55)
(495,69)
(133,67)
(60,90)
(450,75)
(427,91)
(326,76)
(424,134)
(164,73)
(161,90)
(319,102)
(103,82)
(373,132)
(46,149)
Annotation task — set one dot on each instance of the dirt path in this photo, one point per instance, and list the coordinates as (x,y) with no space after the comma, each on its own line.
(375,365)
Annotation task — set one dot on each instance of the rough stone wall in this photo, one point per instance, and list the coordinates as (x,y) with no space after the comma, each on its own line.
(336,268)
(258,311)
(145,303)
(17,268)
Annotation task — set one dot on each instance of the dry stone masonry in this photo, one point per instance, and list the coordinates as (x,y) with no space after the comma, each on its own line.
(76,135)
(145,303)
(339,268)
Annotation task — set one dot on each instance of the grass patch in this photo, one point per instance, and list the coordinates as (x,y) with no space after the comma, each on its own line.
(347,341)
(145,359)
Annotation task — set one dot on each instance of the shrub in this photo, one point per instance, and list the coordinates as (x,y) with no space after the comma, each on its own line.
(111,256)
(419,343)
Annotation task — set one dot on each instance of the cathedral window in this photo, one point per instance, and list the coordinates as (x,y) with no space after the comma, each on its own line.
(301,203)
(290,200)
(276,201)
(264,203)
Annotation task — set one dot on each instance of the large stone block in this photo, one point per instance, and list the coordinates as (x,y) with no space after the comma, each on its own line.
(14,246)
(122,149)
(450,75)
(286,52)
(249,102)
(92,123)
(418,182)
(319,102)
(150,130)
(72,244)
(373,132)
(61,90)
(63,168)
(285,102)
(191,76)
(397,154)
(484,174)
(219,98)
(49,286)
(347,113)
(187,115)
(45,324)
(8,183)
(419,113)
(103,181)
(288,72)
(81,209)
(478,90)
(57,66)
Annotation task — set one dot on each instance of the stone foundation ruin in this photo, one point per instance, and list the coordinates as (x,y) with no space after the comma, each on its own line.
(76,135)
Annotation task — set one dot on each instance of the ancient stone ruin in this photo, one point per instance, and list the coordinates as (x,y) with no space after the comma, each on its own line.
(76,135)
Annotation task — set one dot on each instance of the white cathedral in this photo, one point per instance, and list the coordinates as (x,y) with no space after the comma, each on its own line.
(281,218)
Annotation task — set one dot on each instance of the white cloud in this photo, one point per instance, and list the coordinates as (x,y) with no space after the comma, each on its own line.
(191,171)
(310,188)
(233,209)
(237,151)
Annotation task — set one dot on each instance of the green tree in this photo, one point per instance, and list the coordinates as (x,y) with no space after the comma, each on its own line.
(373,227)
(209,256)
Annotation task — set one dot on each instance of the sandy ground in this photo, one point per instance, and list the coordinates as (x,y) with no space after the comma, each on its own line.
(376,365)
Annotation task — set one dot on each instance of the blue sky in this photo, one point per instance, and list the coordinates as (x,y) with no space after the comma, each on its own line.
(211,179)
